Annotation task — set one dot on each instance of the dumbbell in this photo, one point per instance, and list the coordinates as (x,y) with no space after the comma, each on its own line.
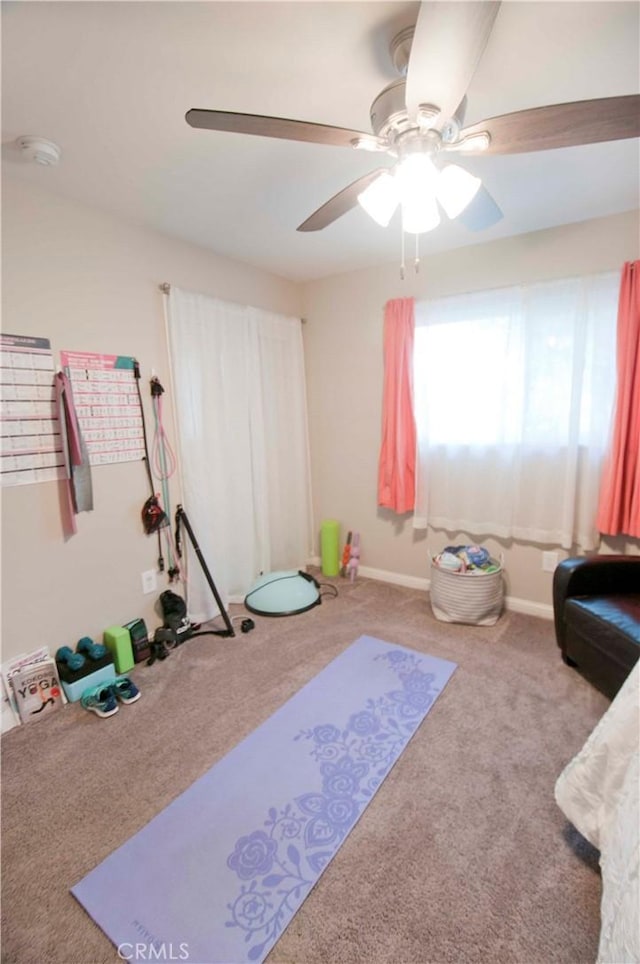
(74,661)
(93,650)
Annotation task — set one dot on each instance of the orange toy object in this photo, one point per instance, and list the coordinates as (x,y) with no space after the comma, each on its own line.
(346,555)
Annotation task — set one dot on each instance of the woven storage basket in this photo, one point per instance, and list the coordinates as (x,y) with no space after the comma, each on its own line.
(465,597)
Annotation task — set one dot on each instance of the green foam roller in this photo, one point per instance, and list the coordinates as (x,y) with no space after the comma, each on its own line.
(330,547)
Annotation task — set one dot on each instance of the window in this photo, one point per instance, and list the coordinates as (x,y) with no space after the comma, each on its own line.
(513,394)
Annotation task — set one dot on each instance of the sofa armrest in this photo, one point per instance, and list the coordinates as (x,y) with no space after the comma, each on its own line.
(592,576)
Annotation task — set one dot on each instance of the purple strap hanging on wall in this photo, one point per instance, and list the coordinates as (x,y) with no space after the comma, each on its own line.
(79,488)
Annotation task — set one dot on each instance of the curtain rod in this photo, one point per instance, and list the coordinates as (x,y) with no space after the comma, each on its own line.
(165,288)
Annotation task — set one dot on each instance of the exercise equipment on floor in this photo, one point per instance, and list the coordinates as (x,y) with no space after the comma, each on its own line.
(80,670)
(182,520)
(330,547)
(177,628)
(284,593)
(118,641)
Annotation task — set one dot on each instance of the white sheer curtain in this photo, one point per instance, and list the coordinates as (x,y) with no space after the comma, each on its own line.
(513,396)
(240,401)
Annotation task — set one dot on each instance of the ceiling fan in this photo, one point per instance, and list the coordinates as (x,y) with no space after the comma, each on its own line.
(417,120)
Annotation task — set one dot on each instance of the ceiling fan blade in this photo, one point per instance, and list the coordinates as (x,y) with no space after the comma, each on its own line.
(292,130)
(482,212)
(448,42)
(340,203)
(559,125)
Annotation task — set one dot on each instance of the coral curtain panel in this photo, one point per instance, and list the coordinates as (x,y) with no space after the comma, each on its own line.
(619,505)
(397,464)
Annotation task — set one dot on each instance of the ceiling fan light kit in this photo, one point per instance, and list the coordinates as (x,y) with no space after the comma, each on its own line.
(418,118)
(421,216)
(380,199)
(416,184)
(456,189)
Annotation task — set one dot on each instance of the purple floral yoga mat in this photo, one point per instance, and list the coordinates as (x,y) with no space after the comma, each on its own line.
(216,877)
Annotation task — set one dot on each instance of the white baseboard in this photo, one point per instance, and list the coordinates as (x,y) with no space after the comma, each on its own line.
(514,603)
(397,578)
(528,607)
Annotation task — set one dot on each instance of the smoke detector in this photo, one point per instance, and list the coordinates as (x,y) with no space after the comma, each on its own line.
(39,150)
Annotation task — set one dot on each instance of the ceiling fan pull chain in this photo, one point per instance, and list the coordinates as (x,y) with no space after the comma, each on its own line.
(416,262)
(402,254)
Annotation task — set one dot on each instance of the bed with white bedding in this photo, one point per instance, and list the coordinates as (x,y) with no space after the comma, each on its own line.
(599,792)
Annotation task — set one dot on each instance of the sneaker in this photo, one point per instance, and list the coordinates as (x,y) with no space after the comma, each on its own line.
(99,700)
(125,690)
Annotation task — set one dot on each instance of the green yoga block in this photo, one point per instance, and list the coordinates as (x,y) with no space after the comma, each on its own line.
(118,642)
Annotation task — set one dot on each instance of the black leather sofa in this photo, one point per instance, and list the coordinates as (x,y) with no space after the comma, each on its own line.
(596,607)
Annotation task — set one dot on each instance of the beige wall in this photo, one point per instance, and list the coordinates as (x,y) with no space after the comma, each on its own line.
(89,282)
(343,345)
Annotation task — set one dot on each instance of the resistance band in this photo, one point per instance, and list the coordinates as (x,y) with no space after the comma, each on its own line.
(152,514)
(164,466)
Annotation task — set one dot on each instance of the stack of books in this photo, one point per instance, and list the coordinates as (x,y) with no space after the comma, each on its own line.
(31,687)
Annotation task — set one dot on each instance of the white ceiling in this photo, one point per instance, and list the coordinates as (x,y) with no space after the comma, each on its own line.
(110,82)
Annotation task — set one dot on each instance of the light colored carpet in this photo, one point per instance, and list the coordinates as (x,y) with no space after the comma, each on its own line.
(463,855)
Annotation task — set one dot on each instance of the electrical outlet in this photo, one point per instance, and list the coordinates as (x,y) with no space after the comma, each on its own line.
(149,581)
(549,561)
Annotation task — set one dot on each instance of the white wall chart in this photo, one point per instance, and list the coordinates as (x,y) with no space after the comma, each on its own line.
(107,405)
(31,441)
